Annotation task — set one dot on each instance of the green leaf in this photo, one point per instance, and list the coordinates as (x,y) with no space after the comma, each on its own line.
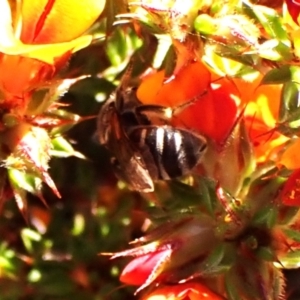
(267,216)
(119,46)
(207,190)
(285,52)
(289,110)
(205,24)
(29,236)
(169,62)
(253,279)
(277,76)
(269,19)
(260,199)
(245,72)
(62,148)
(236,55)
(22,183)
(230,286)
(183,196)
(144,55)
(7,262)
(274,50)
(112,9)
(266,254)
(212,265)
(289,103)
(292,234)
(21,180)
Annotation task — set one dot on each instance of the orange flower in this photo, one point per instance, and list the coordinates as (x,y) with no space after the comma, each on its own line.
(186,291)
(38,36)
(191,81)
(214,111)
(261,115)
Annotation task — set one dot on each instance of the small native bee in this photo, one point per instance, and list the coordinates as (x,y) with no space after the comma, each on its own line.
(144,147)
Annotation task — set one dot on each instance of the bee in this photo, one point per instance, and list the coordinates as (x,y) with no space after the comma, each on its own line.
(144,146)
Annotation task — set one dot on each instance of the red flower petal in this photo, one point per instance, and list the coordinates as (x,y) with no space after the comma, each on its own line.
(293,7)
(139,269)
(291,190)
(213,115)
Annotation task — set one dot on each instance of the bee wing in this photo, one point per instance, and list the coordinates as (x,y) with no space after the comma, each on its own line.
(104,119)
(133,173)
(128,163)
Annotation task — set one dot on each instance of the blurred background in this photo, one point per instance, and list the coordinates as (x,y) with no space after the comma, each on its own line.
(53,252)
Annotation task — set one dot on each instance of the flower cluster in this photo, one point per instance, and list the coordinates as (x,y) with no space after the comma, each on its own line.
(220,76)
(37,39)
(228,230)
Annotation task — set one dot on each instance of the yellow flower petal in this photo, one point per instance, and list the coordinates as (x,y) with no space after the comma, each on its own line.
(56,21)
(48,52)
(296,41)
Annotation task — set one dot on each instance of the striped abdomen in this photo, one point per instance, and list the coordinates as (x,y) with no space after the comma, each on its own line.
(168,152)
